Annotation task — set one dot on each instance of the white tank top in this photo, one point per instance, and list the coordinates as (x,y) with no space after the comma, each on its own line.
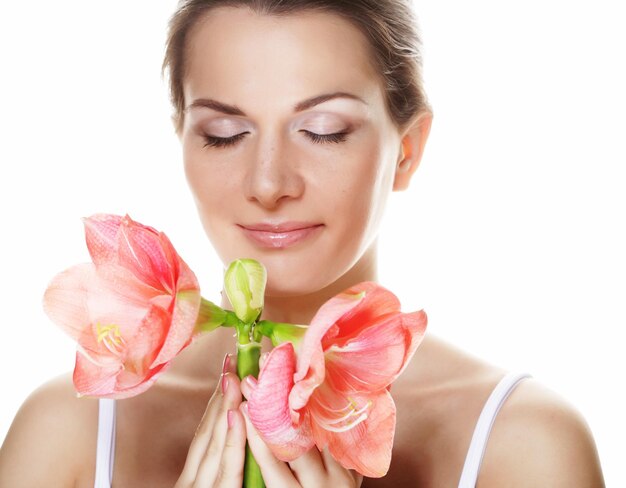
(105,453)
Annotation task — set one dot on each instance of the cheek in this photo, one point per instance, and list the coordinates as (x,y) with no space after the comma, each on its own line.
(210,182)
(213,186)
(353,197)
(360,186)
(195,171)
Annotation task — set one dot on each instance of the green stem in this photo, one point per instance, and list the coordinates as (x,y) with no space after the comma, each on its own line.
(248,354)
(248,359)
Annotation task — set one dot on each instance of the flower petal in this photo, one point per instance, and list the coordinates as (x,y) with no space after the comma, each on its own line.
(130,384)
(325,318)
(180,331)
(269,410)
(310,372)
(65,299)
(94,379)
(144,346)
(304,388)
(108,379)
(376,357)
(366,447)
(118,298)
(377,302)
(186,278)
(143,251)
(101,235)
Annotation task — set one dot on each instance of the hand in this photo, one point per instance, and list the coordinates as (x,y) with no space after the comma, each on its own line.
(311,470)
(216,454)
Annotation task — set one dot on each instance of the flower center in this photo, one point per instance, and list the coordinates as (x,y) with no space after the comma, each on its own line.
(343,419)
(111,337)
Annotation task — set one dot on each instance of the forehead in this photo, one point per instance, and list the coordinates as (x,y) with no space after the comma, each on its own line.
(234,52)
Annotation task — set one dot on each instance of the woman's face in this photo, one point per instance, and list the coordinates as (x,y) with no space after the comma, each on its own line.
(260,149)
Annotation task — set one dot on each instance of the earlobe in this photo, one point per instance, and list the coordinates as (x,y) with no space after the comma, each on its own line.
(412,149)
(405,155)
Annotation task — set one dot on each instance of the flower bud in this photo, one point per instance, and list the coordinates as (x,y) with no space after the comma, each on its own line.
(244,283)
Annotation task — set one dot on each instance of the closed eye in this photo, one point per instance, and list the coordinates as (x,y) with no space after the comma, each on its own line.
(323,138)
(222,141)
(317,138)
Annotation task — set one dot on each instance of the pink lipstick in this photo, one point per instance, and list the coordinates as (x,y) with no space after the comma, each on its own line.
(280,235)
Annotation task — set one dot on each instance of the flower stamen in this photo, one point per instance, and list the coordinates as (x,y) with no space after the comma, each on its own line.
(355,416)
(111,337)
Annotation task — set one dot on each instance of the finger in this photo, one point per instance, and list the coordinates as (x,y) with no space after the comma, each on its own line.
(336,470)
(212,457)
(230,474)
(275,472)
(309,468)
(248,385)
(230,365)
(204,431)
(358,478)
(315,468)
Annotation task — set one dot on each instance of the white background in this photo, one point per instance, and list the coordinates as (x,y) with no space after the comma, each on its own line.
(511,237)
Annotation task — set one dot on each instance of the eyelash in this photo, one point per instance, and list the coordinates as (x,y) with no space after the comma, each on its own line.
(317,138)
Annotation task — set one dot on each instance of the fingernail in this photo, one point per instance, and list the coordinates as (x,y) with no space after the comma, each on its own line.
(224,384)
(225,363)
(252,381)
(231,418)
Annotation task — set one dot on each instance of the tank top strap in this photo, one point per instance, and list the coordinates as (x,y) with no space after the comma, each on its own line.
(474,457)
(105,450)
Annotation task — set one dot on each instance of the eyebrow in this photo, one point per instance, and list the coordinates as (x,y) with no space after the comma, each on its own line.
(299,107)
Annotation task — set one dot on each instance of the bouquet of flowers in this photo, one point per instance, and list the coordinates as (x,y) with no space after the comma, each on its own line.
(324,384)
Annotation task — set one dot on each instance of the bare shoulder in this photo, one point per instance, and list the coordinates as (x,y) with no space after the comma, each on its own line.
(50,437)
(540,439)
(537,439)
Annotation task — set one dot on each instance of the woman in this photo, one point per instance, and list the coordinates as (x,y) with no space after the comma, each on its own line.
(293,117)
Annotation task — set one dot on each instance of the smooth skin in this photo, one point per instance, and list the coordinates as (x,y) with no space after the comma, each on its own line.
(176,433)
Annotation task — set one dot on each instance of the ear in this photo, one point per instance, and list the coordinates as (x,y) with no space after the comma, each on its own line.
(413,141)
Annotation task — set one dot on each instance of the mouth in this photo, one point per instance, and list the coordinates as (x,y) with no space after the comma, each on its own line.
(280,236)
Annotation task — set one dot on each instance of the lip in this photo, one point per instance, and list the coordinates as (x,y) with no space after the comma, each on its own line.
(280,235)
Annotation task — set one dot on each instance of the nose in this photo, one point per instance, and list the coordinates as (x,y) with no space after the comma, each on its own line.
(272,177)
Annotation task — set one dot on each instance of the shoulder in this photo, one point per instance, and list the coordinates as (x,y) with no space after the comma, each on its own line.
(539,439)
(48,435)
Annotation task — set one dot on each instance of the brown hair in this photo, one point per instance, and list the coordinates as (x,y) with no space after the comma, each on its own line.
(389,25)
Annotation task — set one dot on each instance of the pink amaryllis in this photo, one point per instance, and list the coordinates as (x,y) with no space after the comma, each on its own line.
(131,311)
(334,390)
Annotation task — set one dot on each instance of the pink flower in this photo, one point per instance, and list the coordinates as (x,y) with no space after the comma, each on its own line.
(131,311)
(335,392)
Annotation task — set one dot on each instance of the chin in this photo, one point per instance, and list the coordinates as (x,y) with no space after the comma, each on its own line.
(293,277)
(298,272)
(306,279)
(292,285)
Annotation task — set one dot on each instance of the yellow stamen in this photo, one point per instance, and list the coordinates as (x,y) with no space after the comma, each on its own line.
(111,332)
(111,337)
